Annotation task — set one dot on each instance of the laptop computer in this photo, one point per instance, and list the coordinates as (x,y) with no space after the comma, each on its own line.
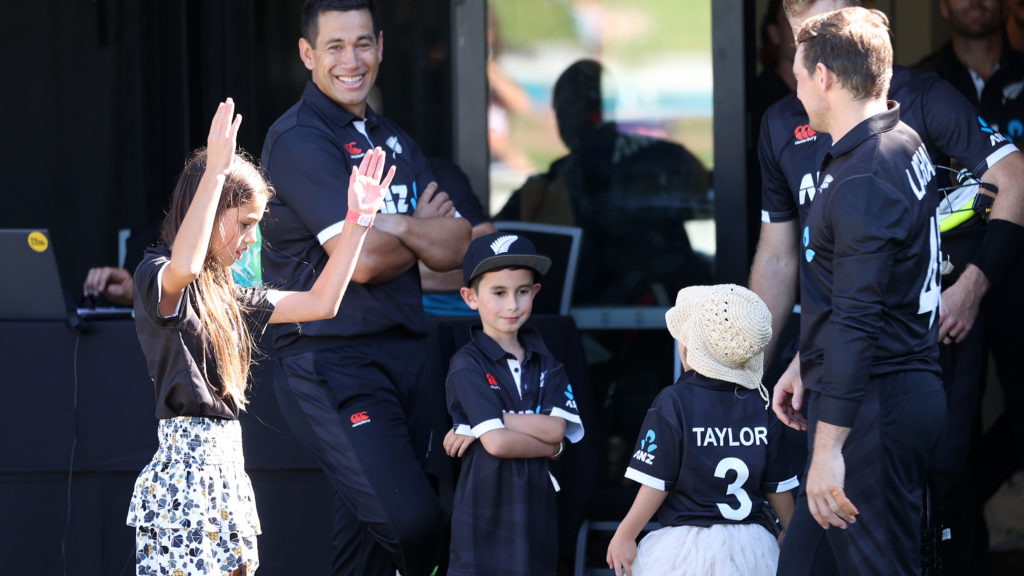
(33,291)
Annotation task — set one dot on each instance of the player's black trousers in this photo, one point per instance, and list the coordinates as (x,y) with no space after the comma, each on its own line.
(361,409)
(1003,444)
(899,421)
(954,504)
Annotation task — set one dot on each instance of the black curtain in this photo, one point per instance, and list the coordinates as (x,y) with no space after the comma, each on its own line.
(104,99)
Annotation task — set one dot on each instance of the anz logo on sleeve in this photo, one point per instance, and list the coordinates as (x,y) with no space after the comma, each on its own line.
(994,136)
(570,400)
(647,447)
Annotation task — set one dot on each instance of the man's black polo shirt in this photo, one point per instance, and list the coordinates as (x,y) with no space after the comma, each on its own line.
(870,294)
(790,152)
(309,153)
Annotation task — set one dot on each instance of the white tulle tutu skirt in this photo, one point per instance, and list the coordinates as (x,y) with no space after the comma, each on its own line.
(720,550)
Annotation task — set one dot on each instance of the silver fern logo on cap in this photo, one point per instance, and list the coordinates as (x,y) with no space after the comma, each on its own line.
(503,243)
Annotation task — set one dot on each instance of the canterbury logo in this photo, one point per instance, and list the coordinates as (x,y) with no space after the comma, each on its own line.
(351,148)
(359,418)
(503,243)
(803,132)
(492,381)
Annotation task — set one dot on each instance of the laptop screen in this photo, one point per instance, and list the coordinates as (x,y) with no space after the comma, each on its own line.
(34,292)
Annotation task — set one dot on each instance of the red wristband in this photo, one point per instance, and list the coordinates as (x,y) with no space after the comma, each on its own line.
(359,219)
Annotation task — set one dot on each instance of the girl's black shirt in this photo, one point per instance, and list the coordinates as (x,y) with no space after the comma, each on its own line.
(179,357)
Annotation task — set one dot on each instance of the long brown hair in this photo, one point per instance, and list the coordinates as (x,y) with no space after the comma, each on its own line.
(219,312)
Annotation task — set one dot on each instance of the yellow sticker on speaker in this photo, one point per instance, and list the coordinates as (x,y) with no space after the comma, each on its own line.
(38,241)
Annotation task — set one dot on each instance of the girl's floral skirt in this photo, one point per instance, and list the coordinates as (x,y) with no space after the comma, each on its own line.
(193,507)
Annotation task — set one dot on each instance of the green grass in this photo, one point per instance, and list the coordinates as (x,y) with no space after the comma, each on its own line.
(521,23)
(678,25)
(637,28)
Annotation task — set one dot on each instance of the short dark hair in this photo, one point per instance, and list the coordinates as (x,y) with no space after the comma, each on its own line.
(474,284)
(311,10)
(853,43)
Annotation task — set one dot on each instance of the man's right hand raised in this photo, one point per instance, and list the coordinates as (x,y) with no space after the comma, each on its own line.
(788,397)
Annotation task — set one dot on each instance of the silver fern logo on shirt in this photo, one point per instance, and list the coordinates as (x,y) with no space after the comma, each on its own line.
(1012,91)
(395,145)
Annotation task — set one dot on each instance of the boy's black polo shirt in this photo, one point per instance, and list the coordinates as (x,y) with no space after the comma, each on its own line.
(309,153)
(870,289)
(504,517)
(716,449)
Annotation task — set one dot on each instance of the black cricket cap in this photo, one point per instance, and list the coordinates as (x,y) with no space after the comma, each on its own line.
(502,250)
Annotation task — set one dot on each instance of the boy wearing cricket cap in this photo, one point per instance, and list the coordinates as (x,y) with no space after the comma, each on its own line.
(505,389)
(709,450)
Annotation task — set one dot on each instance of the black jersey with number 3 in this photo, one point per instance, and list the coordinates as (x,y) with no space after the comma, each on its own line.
(870,288)
(716,450)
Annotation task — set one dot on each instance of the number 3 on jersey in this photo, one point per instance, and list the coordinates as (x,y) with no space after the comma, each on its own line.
(734,489)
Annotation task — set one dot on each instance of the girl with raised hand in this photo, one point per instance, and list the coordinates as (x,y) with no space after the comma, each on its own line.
(193,505)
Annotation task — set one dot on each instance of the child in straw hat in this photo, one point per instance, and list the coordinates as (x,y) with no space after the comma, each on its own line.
(708,452)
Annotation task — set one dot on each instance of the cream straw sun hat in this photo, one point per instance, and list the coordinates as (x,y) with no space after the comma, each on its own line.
(725,329)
